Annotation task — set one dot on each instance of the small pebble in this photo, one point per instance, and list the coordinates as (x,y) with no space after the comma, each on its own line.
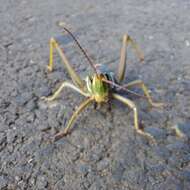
(151,37)
(187,43)
(3,182)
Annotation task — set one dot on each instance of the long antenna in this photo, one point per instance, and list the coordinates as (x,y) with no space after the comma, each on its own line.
(123,88)
(78,44)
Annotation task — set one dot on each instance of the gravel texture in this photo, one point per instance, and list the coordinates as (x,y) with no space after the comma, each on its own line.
(103,152)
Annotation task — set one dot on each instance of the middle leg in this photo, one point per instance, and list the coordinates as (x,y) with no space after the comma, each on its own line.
(58,91)
(141,84)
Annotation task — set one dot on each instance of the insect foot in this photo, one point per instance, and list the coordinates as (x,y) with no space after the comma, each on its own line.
(47,99)
(60,135)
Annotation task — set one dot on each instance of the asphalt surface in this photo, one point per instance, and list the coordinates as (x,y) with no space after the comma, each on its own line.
(103,151)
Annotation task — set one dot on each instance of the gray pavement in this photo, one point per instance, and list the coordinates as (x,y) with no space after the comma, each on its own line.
(103,152)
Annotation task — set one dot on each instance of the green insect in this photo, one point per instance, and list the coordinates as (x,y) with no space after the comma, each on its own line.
(100,87)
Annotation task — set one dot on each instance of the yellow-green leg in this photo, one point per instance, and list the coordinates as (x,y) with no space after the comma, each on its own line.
(123,55)
(75,78)
(81,107)
(132,105)
(58,91)
(141,84)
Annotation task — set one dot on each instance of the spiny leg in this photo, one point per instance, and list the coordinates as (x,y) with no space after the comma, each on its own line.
(123,55)
(145,90)
(75,78)
(133,106)
(58,91)
(81,107)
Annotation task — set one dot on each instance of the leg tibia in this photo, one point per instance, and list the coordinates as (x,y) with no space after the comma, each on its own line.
(141,84)
(83,105)
(123,55)
(75,78)
(131,104)
(58,91)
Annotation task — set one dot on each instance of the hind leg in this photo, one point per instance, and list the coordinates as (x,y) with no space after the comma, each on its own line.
(75,78)
(123,55)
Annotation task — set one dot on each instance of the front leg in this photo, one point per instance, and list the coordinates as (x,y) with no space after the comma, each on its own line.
(81,107)
(132,105)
